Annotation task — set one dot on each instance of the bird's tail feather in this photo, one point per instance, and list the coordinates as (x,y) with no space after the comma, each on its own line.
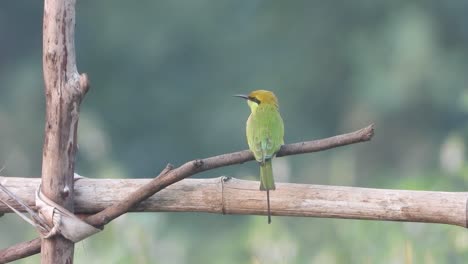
(268,203)
(266,176)
(267,182)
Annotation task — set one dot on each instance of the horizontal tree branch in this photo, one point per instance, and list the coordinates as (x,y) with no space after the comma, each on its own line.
(169,176)
(226,195)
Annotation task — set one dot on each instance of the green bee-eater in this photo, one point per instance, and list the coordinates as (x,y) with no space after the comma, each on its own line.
(265,131)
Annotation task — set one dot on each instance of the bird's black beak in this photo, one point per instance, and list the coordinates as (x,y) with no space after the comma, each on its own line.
(241,96)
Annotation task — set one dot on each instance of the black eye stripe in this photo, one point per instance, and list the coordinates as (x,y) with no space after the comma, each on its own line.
(254,99)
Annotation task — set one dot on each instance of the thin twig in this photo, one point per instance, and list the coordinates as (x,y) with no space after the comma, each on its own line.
(168,177)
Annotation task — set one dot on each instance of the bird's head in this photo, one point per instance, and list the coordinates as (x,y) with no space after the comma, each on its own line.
(259,97)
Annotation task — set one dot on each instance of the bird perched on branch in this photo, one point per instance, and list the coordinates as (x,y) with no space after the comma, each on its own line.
(265,131)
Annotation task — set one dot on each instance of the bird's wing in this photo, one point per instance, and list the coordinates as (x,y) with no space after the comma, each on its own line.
(265,133)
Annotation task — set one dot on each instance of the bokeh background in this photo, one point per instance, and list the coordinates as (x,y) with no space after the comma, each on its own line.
(162,75)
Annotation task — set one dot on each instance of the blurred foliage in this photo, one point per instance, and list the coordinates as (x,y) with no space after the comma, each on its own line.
(162,75)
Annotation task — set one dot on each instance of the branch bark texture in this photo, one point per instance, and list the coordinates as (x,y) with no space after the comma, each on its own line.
(64,90)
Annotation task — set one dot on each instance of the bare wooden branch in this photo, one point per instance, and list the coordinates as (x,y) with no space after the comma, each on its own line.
(20,250)
(196,166)
(362,135)
(225,195)
(64,90)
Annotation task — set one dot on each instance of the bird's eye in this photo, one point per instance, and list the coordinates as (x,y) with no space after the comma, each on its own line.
(254,99)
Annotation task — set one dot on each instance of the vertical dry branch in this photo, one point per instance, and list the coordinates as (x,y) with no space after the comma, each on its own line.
(64,90)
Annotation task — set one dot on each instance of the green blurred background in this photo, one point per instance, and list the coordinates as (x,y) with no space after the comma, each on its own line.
(162,75)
